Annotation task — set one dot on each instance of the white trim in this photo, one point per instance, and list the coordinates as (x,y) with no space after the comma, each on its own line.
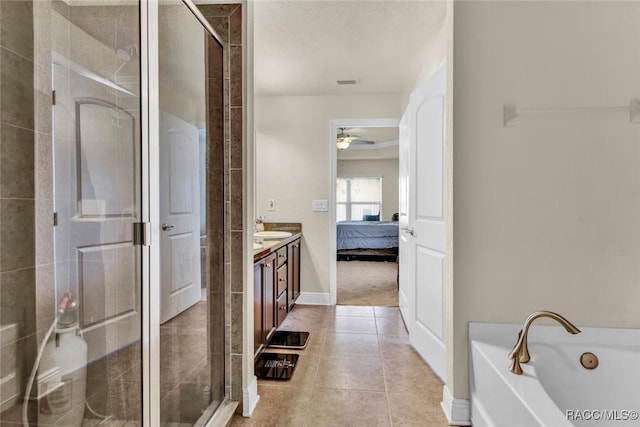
(249,381)
(333,160)
(250,398)
(315,298)
(457,411)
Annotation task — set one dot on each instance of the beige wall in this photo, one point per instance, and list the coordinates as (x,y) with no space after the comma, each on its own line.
(546,213)
(292,165)
(387,169)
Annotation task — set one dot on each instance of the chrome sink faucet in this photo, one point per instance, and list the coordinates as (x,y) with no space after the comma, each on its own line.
(520,353)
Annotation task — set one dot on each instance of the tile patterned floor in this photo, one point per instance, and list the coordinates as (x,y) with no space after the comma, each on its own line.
(358,370)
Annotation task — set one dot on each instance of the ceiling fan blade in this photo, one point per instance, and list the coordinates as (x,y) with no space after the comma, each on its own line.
(362,142)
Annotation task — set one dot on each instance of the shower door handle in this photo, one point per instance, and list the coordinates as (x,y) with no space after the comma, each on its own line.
(166,227)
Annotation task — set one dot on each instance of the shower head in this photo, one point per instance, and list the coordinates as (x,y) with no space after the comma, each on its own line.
(127,54)
(123,54)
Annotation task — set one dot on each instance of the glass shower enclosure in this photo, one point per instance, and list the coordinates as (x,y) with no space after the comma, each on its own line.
(83,342)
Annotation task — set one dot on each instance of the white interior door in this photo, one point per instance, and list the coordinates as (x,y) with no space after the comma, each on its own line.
(97,200)
(180,216)
(405,293)
(425,230)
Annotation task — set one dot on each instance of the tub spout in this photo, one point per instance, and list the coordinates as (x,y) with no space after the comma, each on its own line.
(520,352)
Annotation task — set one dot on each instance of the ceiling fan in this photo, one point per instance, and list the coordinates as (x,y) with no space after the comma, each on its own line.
(343,141)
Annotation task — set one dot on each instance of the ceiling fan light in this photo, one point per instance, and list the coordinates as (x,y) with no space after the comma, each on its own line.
(342,144)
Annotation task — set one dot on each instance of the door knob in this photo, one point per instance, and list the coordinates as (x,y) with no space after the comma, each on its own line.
(166,226)
(407,230)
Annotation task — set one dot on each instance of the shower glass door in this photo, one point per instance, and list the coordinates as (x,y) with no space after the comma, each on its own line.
(192,330)
(96,343)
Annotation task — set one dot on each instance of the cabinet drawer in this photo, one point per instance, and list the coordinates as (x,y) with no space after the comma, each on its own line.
(281,255)
(281,308)
(281,278)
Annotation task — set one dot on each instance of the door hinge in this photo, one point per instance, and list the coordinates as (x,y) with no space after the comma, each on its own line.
(141,234)
(55,219)
(53,97)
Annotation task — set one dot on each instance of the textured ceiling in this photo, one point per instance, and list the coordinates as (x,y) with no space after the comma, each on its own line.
(303,46)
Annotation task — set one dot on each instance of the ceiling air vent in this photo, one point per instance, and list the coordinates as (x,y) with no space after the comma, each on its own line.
(347,82)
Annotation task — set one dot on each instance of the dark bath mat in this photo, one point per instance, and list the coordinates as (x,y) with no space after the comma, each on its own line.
(276,366)
(292,340)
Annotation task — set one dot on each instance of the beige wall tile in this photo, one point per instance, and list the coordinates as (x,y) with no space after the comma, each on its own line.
(44,232)
(235,137)
(16,162)
(235,27)
(17,232)
(18,300)
(16,26)
(235,66)
(16,89)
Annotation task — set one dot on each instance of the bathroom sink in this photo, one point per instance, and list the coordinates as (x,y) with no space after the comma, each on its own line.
(272,234)
(257,246)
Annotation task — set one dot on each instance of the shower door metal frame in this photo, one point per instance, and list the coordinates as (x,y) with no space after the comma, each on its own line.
(149,107)
(150,118)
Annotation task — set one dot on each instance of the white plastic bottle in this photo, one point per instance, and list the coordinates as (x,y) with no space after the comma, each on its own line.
(66,404)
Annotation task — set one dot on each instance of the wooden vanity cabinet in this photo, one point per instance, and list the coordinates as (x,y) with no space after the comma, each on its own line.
(276,286)
(293,270)
(257,307)
(281,308)
(281,280)
(281,285)
(264,318)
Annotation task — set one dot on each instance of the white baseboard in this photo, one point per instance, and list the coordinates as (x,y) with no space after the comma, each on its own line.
(314,298)
(457,411)
(250,398)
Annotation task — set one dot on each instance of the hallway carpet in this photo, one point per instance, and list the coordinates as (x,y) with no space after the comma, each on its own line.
(367,283)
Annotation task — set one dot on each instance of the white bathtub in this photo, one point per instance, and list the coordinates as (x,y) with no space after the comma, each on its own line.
(554,389)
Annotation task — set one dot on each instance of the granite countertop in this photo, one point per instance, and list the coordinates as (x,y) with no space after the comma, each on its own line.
(272,245)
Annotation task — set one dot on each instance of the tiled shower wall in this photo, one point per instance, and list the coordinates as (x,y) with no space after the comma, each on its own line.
(26,264)
(227,170)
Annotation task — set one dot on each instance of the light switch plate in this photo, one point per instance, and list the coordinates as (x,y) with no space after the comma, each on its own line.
(319,206)
(271,205)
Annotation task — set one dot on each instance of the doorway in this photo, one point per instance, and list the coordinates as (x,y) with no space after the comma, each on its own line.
(364,199)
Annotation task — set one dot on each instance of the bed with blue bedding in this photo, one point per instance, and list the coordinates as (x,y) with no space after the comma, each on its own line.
(367,235)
